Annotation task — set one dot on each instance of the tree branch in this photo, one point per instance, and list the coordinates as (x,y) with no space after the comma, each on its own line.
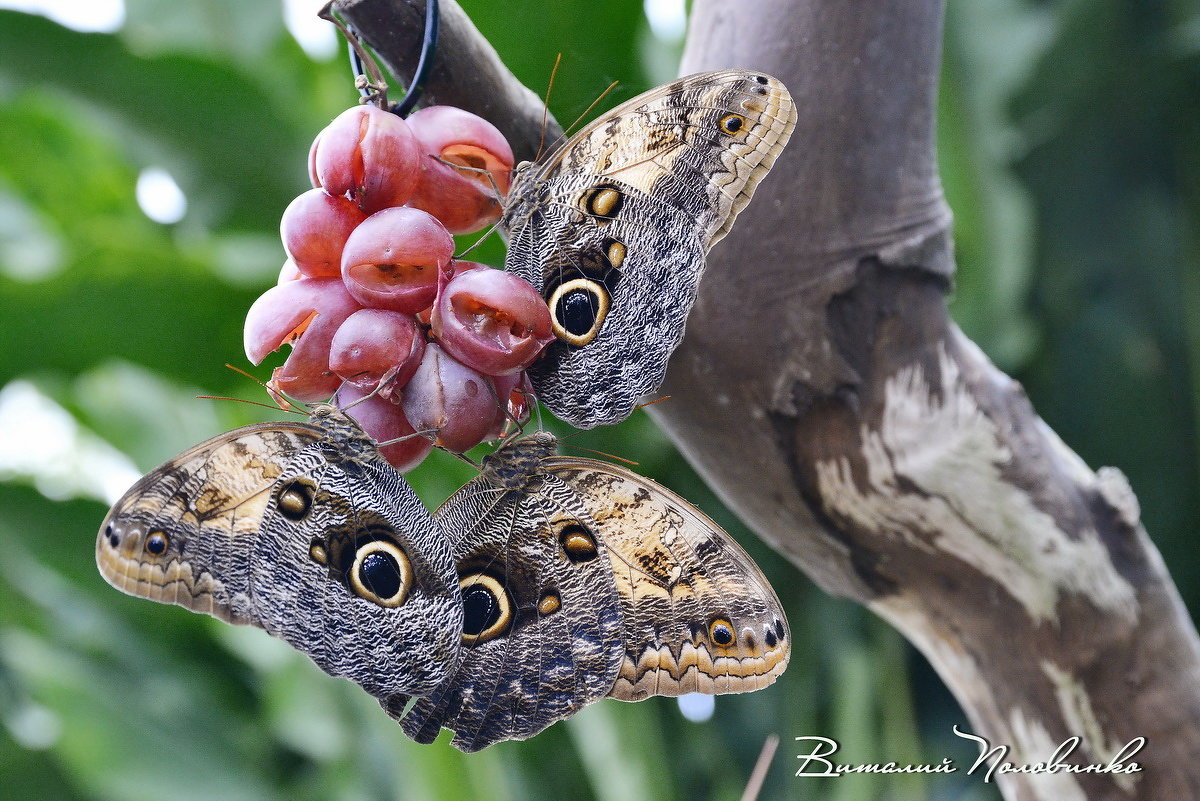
(902,469)
(907,472)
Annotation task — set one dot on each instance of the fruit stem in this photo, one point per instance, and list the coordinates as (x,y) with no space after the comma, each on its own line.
(368,78)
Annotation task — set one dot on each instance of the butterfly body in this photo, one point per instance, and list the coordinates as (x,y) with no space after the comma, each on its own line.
(613,228)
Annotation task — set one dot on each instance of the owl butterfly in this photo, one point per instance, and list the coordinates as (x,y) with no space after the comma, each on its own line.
(544,584)
(580,580)
(613,228)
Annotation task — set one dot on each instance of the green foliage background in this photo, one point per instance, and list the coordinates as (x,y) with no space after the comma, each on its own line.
(1070,146)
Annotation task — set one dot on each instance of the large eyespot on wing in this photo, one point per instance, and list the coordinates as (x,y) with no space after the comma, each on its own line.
(698,614)
(489,608)
(182,534)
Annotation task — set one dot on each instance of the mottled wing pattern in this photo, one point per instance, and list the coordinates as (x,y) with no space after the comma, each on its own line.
(697,613)
(267,525)
(614,226)
(301,572)
(561,647)
(209,502)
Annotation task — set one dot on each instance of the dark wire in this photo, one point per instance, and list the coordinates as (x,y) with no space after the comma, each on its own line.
(424,63)
(358,68)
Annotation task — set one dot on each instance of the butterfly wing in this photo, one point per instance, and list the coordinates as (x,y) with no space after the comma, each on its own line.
(584,581)
(208,504)
(614,227)
(697,613)
(312,537)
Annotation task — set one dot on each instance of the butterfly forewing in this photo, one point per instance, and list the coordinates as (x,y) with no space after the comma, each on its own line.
(203,505)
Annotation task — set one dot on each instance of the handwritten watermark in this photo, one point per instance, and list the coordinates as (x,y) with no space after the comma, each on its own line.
(993,760)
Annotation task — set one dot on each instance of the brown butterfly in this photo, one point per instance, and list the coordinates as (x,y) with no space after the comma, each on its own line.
(613,228)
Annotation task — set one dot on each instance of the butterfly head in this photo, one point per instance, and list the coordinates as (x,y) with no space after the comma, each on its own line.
(516,460)
(343,435)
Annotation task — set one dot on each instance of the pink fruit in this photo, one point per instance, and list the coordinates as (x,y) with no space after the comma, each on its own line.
(384,421)
(393,259)
(306,313)
(375,345)
(514,394)
(465,200)
(491,320)
(369,155)
(314,230)
(457,267)
(447,396)
(288,272)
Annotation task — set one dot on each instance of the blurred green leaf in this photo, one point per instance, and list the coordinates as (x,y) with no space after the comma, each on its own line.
(215,28)
(991,47)
(222,134)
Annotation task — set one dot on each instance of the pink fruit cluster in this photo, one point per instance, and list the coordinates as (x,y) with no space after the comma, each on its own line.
(371,300)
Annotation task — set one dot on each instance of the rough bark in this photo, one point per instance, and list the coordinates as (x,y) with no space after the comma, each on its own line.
(825,393)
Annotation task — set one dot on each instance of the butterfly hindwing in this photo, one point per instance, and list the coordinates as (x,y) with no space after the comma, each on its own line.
(613,228)
(698,614)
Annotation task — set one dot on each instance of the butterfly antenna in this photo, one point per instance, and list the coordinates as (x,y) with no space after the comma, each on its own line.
(384,381)
(282,401)
(546,105)
(651,403)
(462,457)
(243,372)
(423,433)
(537,410)
(574,434)
(588,110)
(494,227)
(605,454)
(252,403)
(759,774)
